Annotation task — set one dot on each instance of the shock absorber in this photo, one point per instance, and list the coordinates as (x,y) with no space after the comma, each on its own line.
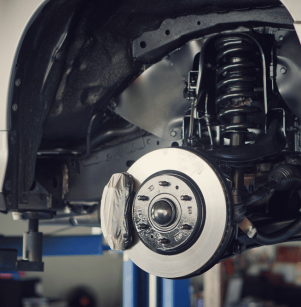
(239,94)
(239,87)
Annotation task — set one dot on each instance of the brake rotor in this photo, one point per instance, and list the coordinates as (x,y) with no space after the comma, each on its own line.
(182,213)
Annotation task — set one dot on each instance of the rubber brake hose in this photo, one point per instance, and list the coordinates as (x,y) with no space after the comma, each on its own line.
(280,235)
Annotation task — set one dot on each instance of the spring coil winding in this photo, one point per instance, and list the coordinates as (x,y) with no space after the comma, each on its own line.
(239,84)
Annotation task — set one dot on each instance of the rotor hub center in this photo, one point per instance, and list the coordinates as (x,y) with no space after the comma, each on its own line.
(168,212)
(163,212)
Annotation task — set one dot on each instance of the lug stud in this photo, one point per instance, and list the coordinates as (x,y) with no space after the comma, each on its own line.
(142,197)
(186,227)
(185,197)
(163,183)
(143,226)
(164,241)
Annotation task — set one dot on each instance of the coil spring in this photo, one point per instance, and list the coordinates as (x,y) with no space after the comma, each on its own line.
(239,84)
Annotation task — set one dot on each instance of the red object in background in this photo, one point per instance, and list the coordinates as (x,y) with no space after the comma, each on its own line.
(84,301)
(288,254)
(228,264)
(6,275)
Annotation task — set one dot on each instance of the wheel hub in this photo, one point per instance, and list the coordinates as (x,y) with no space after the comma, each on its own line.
(168,212)
(182,213)
(163,212)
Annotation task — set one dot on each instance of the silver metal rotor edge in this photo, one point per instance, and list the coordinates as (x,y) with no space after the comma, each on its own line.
(191,260)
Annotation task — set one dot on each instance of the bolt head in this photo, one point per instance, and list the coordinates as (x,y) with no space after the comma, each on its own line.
(185,197)
(163,183)
(173,133)
(283,70)
(15,107)
(18,82)
(164,241)
(58,56)
(142,197)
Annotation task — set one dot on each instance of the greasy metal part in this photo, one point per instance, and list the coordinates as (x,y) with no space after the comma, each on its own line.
(164,183)
(142,197)
(264,76)
(269,144)
(238,189)
(154,101)
(191,122)
(289,57)
(248,228)
(207,119)
(237,80)
(166,212)
(238,139)
(215,201)
(163,212)
(192,96)
(185,197)
(297,136)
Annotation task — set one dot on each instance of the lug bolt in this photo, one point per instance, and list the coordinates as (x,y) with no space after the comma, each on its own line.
(186,227)
(185,197)
(164,241)
(142,197)
(18,82)
(163,183)
(143,226)
(15,107)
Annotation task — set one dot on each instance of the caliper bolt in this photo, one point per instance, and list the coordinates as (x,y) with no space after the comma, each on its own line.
(186,227)
(163,183)
(185,197)
(142,197)
(238,248)
(173,133)
(164,241)
(283,70)
(143,226)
